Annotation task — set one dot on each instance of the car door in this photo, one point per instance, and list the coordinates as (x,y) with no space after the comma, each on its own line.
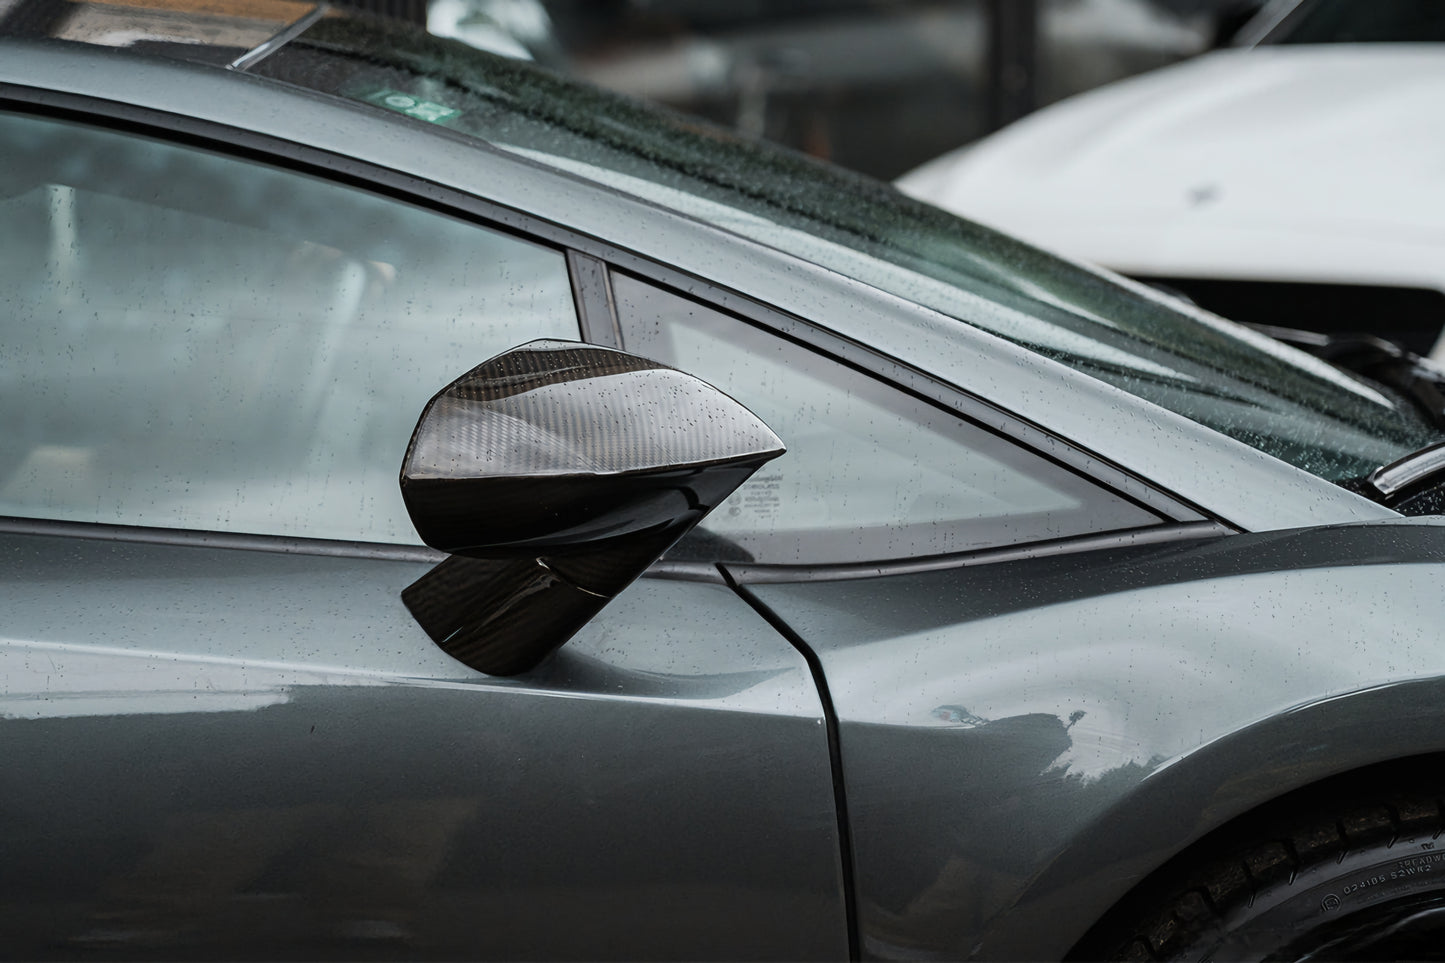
(221,732)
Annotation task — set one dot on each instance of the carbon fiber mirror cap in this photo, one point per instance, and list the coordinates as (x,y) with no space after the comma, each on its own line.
(572,467)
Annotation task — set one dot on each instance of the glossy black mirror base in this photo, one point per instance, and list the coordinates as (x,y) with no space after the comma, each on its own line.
(489,517)
(504,616)
(499,617)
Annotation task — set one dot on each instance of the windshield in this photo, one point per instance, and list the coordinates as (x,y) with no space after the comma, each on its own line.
(1353,21)
(1245,385)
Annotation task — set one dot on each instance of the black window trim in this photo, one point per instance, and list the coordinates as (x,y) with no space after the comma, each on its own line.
(592,291)
(590,262)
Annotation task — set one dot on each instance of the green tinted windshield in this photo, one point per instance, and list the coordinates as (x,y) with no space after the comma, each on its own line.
(1242,384)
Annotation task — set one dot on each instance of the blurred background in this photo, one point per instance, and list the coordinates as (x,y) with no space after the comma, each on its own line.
(1285,172)
(879,86)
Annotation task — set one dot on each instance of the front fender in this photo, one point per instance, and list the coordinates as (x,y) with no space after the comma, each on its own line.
(1183,800)
(1022,741)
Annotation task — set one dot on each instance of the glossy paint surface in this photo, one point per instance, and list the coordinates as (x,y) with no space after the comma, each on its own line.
(237,753)
(1023,741)
(220,752)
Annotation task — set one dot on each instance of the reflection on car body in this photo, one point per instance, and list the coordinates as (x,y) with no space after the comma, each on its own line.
(1062,594)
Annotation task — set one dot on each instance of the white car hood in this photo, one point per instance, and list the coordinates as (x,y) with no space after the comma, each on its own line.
(1289,163)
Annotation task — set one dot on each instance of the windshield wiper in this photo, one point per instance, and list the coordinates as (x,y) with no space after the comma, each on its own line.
(1421,466)
(1414,484)
(1381,361)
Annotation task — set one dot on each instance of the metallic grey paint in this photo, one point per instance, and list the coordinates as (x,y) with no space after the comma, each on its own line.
(222,753)
(1024,741)
(201,739)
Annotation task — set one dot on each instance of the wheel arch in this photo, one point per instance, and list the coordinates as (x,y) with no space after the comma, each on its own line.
(1379,738)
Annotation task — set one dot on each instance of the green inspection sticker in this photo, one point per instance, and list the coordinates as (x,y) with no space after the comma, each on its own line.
(427,110)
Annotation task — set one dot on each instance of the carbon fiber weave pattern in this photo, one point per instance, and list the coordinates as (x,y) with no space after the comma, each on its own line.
(528,412)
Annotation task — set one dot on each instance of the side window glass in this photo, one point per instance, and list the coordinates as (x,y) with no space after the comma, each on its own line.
(189,340)
(872,473)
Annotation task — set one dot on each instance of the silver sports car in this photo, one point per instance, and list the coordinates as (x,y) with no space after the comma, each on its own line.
(778,567)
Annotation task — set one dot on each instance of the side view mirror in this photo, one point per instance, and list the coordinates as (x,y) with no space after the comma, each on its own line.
(555,474)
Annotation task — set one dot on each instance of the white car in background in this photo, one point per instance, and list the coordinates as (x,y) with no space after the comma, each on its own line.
(1297,180)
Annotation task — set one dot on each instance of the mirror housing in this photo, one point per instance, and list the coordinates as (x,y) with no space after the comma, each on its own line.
(556,473)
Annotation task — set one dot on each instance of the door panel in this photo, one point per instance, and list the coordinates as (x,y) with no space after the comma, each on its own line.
(213,752)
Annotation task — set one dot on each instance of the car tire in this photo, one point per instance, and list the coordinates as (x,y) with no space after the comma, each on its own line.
(1357,880)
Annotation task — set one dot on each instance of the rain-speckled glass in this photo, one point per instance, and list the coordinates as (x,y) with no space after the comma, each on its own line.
(871,472)
(193,341)
(1223,376)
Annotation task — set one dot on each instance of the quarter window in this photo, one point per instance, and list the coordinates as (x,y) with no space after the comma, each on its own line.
(190,340)
(872,473)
